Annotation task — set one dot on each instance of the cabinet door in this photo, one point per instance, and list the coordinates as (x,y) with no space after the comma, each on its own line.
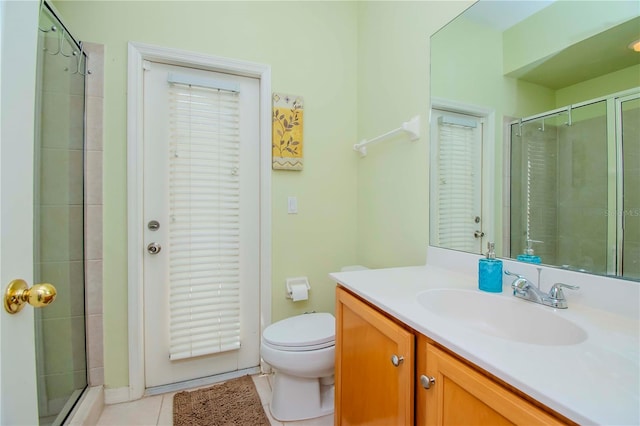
(463,396)
(370,389)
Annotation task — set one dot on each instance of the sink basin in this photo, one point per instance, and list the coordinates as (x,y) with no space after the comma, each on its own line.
(504,317)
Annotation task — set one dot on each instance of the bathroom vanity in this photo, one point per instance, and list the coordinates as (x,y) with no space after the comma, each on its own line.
(421,345)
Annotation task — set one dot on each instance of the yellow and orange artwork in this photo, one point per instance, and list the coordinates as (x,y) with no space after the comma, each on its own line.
(287,132)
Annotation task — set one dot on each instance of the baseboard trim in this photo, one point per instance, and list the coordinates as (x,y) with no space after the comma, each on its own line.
(117,395)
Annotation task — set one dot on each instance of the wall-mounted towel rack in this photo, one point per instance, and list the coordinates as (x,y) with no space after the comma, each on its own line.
(412,127)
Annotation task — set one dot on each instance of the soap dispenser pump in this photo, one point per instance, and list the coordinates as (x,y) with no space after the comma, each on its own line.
(490,271)
(528,255)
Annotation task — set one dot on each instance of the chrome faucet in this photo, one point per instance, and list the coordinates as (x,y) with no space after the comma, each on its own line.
(525,289)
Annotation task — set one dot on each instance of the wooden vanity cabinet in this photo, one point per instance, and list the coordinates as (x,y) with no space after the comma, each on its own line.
(462,395)
(370,389)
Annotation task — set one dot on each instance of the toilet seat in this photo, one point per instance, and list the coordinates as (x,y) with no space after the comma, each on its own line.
(306,332)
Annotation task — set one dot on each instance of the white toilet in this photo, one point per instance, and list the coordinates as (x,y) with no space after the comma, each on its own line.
(301,350)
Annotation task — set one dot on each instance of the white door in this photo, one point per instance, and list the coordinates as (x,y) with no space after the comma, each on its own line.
(457,181)
(160,259)
(18,37)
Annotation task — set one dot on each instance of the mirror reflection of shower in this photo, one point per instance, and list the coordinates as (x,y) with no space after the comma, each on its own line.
(574,190)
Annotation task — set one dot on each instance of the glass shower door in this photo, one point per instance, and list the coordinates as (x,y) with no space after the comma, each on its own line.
(59,220)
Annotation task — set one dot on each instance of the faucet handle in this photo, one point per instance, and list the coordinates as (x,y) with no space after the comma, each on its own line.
(556,290)
(513,274)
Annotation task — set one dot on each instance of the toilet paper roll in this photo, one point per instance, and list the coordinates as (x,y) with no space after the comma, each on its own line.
(299,292)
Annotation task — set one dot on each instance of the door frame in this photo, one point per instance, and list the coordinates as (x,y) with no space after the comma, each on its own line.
(137,54)
(488,201)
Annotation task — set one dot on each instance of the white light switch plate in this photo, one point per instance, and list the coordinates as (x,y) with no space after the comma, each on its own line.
(292,205)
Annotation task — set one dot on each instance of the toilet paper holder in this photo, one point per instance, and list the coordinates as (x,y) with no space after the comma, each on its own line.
(294,282)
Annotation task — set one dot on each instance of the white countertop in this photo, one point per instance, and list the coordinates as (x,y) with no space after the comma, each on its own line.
(593,382)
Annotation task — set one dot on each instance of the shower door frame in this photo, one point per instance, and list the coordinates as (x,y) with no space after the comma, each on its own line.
(615,163)
(618,100)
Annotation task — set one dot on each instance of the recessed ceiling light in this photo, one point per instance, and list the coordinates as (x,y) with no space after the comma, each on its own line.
(635,45)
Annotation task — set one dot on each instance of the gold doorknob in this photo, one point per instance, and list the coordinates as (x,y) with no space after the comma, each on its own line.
(18,293)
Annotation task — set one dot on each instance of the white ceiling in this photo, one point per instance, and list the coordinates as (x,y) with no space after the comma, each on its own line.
(503,14)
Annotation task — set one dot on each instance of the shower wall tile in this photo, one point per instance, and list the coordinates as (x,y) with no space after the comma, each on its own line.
(57,273)
(93,273)
(54,186)
(93,138)
(94,126)
(68,279)
(64,351)
(61,233)
(94,130)
(96,376)
(95,85)
(76,232)
(76,121)
(94,178)
(54,124)
(54,240)
(94,340)
(93,232)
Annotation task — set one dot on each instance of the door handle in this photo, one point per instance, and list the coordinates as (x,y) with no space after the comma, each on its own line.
(18,293)
(154,248)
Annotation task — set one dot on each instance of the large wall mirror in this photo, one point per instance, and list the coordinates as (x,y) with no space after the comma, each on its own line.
(535,133)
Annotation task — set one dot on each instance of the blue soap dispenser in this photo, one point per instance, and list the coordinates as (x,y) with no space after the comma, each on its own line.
(490,271)
(528,255)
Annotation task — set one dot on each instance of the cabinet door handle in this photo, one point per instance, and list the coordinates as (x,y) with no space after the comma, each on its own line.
(397,360)
(427,381)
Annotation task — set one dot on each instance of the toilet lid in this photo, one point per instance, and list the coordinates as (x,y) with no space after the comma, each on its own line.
(308,330)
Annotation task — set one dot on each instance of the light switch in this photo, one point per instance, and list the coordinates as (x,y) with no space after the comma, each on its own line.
(292,205)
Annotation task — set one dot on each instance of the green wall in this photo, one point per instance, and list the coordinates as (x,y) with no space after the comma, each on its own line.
(393,86)
(599,86)
(312,49)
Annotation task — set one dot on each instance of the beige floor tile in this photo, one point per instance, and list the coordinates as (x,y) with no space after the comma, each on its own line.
(273,421)
(166,410)
(263,387)
(144,411)
(158,410)
(319,421)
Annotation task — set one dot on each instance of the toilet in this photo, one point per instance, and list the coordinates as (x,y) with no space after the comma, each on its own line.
(301,350)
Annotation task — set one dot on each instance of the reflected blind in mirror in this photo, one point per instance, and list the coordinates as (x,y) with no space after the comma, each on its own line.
(204,212)
(458,182)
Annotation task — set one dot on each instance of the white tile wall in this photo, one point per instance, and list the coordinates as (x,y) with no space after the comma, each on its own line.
(94,96)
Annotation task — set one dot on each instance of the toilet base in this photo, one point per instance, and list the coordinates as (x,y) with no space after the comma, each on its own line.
(297,398)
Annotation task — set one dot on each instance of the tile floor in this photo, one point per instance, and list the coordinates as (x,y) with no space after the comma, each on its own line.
(158,410)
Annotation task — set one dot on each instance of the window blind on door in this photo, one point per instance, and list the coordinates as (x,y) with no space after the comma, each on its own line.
(204,220)
(458,182)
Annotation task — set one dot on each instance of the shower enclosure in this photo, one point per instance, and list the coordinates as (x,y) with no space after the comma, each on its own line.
(575,174)
(59,218)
